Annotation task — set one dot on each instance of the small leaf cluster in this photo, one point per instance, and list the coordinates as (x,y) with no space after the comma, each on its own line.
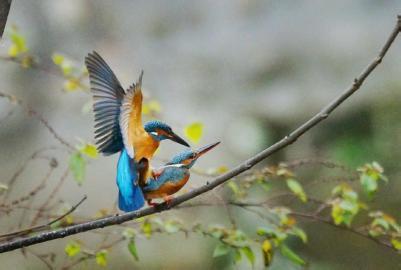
(370,174)
(18,49)
(385,225)
(275,234)
(73,75)
(77,162)
(345,204)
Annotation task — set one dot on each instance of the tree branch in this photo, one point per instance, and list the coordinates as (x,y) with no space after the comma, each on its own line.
(246,165)
(4,9)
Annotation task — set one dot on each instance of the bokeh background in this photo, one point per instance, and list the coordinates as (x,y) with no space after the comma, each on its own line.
(250,71)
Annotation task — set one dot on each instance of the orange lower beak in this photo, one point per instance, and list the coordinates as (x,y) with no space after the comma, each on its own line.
(205,149)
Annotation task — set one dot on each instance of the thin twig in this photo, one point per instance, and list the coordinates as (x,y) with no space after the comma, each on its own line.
(246,165)
(44,122)
(43,227)
(53,193)
(4,10)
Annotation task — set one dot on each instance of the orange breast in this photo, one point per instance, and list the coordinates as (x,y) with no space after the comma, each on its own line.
(168,188)
(144,145)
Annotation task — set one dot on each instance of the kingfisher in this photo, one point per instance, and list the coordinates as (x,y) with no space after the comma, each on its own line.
(171,177)
(119,128)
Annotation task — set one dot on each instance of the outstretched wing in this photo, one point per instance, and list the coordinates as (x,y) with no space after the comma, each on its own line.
(108,95)
(131,116)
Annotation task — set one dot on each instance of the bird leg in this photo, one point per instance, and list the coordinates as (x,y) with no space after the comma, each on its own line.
(150,203)
(167,199)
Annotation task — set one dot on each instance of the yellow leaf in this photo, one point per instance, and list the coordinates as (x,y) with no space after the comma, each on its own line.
(194,132)
(58,59)
(154,106)
(90,150)
(26,61)
(267,252)
(151,107)
(13,51)
(145,109)
(396,243)
(72,249)
(71,85)
(101,257)
(18,43)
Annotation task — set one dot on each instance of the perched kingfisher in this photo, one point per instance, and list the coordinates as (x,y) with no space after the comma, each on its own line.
(118,128)
(171,177)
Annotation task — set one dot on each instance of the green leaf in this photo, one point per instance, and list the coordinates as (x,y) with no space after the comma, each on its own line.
(172,226)
(287,252)
(297,189)
(369,184)
(247,251)
(101,257)
(265,231)
(300,233)
(129,233)
(132,249)
(77,165)
(265,184)
(234,187)
(216,232)
(194,132)
(89,150)
(221,250)
(72,249)
(237,256)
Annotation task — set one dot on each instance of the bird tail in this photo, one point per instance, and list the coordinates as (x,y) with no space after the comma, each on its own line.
(130,197)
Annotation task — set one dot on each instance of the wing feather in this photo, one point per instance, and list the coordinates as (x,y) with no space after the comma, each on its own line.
(108,95)
(131,115)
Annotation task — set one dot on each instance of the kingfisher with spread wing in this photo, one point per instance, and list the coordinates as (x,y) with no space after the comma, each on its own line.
(171,177)
(119,128)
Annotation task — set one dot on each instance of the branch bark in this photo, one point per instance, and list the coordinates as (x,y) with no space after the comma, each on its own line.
(244,166)
(4,9)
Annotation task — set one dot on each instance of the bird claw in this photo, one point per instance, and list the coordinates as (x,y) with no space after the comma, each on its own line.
(150,203)
(167,199)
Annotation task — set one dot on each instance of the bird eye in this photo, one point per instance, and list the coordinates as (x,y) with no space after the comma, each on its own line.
(154,133)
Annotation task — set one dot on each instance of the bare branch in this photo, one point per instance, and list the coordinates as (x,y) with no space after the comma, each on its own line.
(43,227)
(4,9)
(246,165)
(32,112)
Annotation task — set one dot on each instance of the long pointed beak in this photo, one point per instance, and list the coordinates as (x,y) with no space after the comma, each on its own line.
(174,137)
(205,149)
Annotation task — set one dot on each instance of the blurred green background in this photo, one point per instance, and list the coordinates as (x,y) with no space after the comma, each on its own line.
(251,71)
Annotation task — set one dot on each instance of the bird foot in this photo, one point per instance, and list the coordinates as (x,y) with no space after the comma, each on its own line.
(167,199)
(150,203)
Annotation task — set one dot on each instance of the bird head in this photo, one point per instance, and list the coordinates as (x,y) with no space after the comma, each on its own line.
(187,158)
(161,131)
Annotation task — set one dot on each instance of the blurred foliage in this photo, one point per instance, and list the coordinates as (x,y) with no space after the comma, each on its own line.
(272,237)
(194,132)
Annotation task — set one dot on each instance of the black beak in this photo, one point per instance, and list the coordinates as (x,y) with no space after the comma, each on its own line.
(174,137)
(205,149)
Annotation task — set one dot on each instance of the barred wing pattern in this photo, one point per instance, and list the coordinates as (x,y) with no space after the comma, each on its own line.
(107,95)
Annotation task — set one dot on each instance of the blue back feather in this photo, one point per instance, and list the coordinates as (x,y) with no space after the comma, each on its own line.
(169,174)
(130,197)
